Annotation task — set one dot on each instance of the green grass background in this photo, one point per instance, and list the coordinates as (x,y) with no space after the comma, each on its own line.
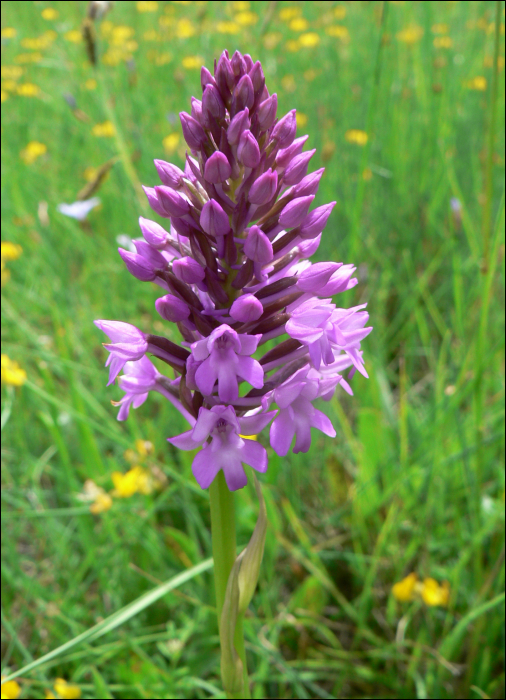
(414,480)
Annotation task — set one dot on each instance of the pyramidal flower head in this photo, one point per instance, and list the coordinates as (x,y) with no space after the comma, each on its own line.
(231,260)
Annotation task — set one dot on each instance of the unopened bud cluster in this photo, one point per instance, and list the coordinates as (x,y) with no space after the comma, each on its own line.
(232,263)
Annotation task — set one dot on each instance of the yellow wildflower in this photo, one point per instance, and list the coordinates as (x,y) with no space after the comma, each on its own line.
(338,30)
(12,72)
(340,12)
(298,24)
(135,480)
(48,695)
(478,83)
(193,62)
(105,129)
(28,90)
(11,373)
(90,84)
(185,29)
(301,119)
(440,29)
(241,6)
(292,45)
(49,13)
(11,689)
(4,95)
(10,251)
(102,502)
(410,35)
(404,590)
(113,57)
(228,28)
(356,136)
(9,85)
(71,691)
(33,150)
(310,39)
(443,42)
(429,591)
(120,34)
(246,18)
(288,13)
(367,174)
(41,42)
(272,39)
(249,437)
(28,57)
(433,594)
(74,36)
(288,83)
(8,33)
(147,6)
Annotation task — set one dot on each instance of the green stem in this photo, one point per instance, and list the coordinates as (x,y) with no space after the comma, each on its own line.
(224,554)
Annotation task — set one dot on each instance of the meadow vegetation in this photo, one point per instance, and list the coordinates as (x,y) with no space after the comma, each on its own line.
(383,574)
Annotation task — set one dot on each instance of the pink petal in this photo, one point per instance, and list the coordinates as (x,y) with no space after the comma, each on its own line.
(282,432)
(254,454)
(205,466)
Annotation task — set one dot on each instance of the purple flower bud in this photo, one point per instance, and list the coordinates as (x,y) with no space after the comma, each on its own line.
(212,104)
(248,61)
(267,112)
(153,233)
(244,95)
(196,111)
(172,309)
(285,130)
(239,123)
(188,270)
(295,212)
(313,278)
(238,64)
(264,189)
(257,78)
(297,168)
(193,133)
(172,203)
(257,246)
(213,219)
(315,222)
(248,151)
(217,168)
(308,248)
(309,184)
(206,78)
(285,155)
(150,254)
(169,174)
(246,308)
(138,266)
(224,76)
(153,201)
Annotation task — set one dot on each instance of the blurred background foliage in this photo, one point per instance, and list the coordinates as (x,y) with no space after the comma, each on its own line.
(384,567)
